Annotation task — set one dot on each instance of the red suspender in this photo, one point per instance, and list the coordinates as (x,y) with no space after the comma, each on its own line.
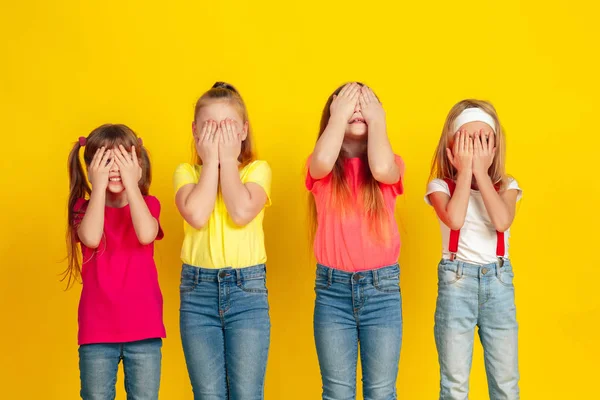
(455,234)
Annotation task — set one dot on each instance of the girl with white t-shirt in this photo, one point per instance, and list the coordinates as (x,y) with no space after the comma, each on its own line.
(475,203)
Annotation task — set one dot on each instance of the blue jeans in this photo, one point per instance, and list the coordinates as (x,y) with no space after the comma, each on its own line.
(98,364)
(483,296)
(351,308)
(225,331)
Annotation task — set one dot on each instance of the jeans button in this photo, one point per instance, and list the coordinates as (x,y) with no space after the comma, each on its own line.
(484,271)
(222,274)
(356,278)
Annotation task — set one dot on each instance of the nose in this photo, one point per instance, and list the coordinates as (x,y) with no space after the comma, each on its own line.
(114,168)
(357,107)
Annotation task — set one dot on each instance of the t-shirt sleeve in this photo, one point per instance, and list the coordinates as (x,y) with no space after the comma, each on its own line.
(514,185)
(260,173)
(436,185)
(310,181)
(154,208)
(398,187)
(184,175)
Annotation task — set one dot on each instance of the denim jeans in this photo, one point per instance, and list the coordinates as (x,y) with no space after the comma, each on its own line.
(98,364)
(225,331)
(483,296)
(358,308)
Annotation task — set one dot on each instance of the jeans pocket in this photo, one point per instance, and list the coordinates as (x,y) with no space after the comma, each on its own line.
(388,284)
(187,283)
(506,277)
(447,277)
(254,285)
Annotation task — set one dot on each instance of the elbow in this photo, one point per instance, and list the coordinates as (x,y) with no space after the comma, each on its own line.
(502,226)
(197,222)
(90,243)
(455,224)
(146,239)
(241,217)
(321,165)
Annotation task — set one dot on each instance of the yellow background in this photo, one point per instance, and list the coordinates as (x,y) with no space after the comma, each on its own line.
(69,66)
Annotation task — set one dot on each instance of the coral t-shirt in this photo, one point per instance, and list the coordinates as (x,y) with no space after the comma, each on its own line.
(345,241)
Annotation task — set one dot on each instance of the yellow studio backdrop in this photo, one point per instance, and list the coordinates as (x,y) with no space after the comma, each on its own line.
(69,66)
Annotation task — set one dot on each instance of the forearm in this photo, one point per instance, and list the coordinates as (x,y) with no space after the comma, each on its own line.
(236,196)
(497,209)
(327,149)
(456,210)
(144,223)
(200,202)
(91,227)
(382,161)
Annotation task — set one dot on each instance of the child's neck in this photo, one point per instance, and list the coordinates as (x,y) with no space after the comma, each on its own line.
(354,148)
(116,200)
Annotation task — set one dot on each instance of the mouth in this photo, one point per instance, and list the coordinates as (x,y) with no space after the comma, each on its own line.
(115,179)
(356,121)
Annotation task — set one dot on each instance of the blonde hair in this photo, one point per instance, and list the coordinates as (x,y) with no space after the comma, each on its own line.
(441,168)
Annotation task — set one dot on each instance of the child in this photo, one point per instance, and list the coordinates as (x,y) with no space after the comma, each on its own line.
(354,178)
(224,313)
(116,223)
(475,202)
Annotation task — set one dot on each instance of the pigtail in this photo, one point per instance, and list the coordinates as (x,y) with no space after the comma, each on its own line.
(78,189)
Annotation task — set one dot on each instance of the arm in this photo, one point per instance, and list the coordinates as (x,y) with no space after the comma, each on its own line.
(243,201)
(500,207)
(144,224)
(327,149)
(196,202)
(91,228)
(382,161)
(453,210)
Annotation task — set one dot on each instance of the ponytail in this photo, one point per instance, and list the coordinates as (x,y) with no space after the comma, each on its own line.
(78,189)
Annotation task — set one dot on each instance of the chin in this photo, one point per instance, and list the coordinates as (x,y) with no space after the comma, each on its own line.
(356,130)
(115,188)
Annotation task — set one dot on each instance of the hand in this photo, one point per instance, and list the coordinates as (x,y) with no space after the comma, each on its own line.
(461,155)
(344,103)
(370,107)
(129,167)
(99,168)
(207,143)
(484,151)
(230,141)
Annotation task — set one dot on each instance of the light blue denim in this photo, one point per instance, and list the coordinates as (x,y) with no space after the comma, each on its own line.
(480,296)
(225,331)
(98,364)
(358,310)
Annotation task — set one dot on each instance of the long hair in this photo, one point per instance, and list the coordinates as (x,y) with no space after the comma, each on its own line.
(109,136)
(225,91)
(441,167)
(341,199)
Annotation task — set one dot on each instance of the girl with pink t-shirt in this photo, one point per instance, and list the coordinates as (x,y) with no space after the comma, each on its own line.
(355,177)
(115,223)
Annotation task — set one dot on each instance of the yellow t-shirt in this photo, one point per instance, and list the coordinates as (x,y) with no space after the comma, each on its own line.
(221,243)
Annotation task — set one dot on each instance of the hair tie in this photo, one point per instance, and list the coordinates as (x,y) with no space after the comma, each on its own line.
(140,141)
(474,114)
(82,141)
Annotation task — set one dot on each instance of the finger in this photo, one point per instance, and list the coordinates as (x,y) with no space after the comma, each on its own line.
(483,139)
(104,160)
(345,89)
(204,131)
(371,95)
(450,157)
(124,154)
(470,144)
(353,91)
(210,131)
(98,157)
(119,156)
(461,144)
(456,144)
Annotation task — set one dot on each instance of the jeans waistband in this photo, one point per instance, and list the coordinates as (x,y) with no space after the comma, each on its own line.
(466,269)
(372,275)
(223,274)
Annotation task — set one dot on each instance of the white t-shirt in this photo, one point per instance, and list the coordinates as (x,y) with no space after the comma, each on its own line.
(478,238)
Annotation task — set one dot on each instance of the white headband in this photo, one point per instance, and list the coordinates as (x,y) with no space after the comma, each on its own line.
(472,115)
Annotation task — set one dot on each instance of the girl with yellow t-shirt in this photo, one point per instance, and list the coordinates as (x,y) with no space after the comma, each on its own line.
(224,314)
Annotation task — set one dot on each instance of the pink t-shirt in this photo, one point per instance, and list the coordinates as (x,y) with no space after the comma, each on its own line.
(120,300)
(345,242)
